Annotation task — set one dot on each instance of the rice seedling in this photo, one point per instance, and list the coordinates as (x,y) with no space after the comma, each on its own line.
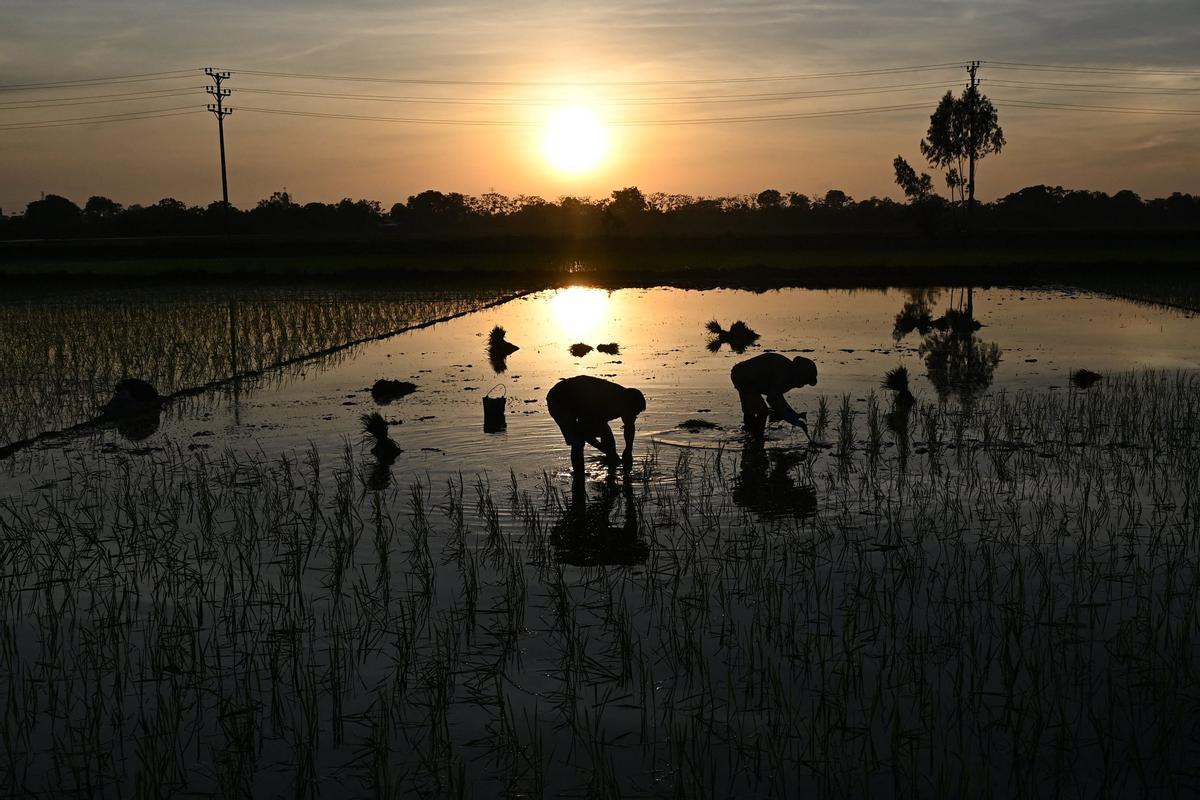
(64,353)
(1015,618)
(499,349)
(739,337)
(375,427)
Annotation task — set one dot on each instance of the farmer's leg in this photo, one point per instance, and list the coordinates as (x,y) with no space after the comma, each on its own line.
(608,444)
(754,412)
(574,434)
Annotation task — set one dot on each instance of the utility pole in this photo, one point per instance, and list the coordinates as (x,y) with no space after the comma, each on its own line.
(972,145)
(220,112)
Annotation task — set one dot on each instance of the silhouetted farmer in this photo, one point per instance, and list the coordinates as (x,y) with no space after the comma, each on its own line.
(583,406)
(771,374)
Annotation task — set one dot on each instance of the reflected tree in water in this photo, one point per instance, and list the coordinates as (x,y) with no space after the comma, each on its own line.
(916,314)
(957,362)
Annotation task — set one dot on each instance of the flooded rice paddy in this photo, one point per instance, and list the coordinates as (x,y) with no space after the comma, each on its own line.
(990,590)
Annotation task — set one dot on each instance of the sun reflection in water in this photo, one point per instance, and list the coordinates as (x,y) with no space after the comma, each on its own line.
(579,310)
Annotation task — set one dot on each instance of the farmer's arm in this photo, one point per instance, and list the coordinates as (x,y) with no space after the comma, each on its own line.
(627,457)
(783,411)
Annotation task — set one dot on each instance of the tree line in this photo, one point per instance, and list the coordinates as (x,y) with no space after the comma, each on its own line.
(627,212)
(962,130)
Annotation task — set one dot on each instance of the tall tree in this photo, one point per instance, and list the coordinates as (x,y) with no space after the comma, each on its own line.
(962,130)
(917,188)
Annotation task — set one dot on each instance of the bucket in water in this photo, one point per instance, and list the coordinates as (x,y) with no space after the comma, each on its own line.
(493,410)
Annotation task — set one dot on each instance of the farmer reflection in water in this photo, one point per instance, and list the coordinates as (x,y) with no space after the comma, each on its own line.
(771,374)
(583,406)
(764,483)
(584,535)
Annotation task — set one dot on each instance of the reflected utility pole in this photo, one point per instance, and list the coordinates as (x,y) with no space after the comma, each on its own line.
(220,112)
(233,363)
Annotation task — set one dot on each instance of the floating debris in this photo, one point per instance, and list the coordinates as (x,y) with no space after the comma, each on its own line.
(133,396)
(612,348)
(697,425)
(385,391)
(579,349)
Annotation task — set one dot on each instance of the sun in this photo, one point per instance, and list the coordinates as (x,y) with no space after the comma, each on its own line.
(574,140)
(579,310)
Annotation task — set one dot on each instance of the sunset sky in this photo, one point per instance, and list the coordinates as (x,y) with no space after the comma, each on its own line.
(546,52)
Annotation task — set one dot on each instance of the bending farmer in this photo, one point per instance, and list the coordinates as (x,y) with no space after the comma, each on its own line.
(582,406)
(771,374)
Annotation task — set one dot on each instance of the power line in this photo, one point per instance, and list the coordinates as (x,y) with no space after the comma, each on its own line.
(637,101)
(73,121)
(131,97)
(568,84)
(1018,65)
(1088,89)
(1112,109)
(617,101)
(180,110)
(617,123)
(143,77)
(844,112)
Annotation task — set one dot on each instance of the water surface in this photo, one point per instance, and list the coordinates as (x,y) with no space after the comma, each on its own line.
(1020,339)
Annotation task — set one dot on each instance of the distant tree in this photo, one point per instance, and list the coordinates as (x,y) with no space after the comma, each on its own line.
(523,201)
(53,216)
(1031,207)
(962,131)
(98,210)
(836,199)
(665,203)
(278,214)
(359,215)
(492,204)
(280,199)
(433,205)
(629,200)
(623,211)
(800,201)
(769,198)
(216,218)
(167,217)
(917,188)
(1127,200)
